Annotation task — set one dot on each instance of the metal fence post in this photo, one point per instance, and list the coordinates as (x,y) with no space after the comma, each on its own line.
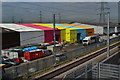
(119,71)
(98,71)
(86,71)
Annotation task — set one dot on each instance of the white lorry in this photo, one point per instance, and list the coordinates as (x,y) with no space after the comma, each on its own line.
(90,40)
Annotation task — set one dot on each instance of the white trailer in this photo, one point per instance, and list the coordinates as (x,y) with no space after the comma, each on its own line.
(90,40)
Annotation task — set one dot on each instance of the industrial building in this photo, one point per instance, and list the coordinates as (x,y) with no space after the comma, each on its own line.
(48,32)
(18,35)
(100,29)
(70,34)
(62,30)
(80,32)
(23,34)
(89,31)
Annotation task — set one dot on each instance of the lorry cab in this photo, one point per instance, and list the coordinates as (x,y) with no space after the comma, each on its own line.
(86,41)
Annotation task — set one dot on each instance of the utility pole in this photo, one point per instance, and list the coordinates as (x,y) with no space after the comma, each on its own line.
(40,16)
(13,19)
(21,20)
(102,22)
(108,36)
(54,30)
(54,37)
(59,18)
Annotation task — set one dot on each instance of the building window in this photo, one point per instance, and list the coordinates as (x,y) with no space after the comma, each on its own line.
(89,32)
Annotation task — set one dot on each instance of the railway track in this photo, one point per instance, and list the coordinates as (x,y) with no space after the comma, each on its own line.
(64,68)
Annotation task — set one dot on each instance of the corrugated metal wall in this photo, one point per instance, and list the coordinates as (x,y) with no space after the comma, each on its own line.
(27,35)
(73,36)
(112,30)
(97,29)
(80,32)
(48,32)
(31,37)
(83,32)
(69,32)
(62,30)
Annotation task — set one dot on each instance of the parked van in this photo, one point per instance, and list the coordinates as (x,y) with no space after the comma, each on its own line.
(90,40)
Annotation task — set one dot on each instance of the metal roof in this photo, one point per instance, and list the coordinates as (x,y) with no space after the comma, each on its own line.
(67,26)
(37,26)
(18,28)
(86,25)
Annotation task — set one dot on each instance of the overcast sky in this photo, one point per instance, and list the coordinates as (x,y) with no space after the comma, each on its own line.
(69,11)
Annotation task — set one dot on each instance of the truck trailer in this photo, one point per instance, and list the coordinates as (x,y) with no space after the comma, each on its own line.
(90,40)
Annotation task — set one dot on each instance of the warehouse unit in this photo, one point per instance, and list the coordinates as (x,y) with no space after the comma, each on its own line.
(70,34)
(80,32)
(99,29)
(111,29)
(48,32)
(62,31)
(89,31)
(22,35)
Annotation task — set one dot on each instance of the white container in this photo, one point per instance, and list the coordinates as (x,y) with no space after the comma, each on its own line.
(9,54)
(13,55)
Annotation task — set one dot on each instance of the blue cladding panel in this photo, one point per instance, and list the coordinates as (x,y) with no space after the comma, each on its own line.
(79,30)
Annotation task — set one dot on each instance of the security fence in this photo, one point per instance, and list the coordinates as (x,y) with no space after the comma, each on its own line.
(96,71)
(106,71)
(39,64)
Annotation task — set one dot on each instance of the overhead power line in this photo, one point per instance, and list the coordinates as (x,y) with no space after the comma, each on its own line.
(40,16)
(102,13)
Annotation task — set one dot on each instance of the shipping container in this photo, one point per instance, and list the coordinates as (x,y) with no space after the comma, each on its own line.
(25,35)
(89,31)
(30,55)
(70,34)
(30,48)
(48,32)
(9,53)
(62,30)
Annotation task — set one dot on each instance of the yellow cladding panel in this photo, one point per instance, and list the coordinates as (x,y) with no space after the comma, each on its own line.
(67,35)
(62,30)
(62,35)
(89,31)
(73,35)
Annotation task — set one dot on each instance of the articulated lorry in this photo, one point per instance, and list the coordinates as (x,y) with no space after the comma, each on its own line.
(90,40)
